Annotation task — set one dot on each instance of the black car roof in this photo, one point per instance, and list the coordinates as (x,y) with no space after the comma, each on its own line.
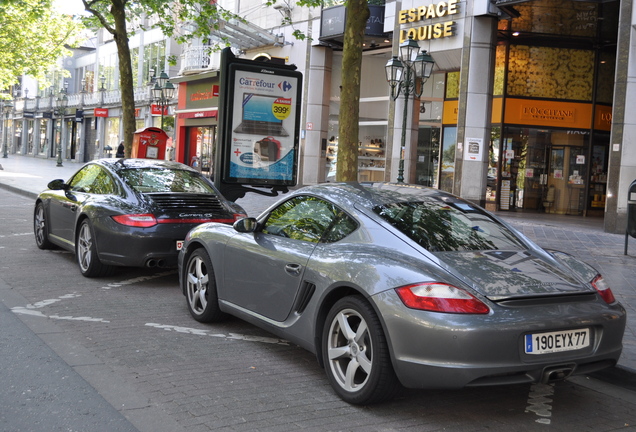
(121,163)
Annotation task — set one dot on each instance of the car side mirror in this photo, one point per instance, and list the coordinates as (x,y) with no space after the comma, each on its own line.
(245,225)
(58,184)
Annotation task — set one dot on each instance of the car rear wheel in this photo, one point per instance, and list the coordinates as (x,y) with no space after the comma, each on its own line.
(86,253)
(41,228)
(201,288)
(356,354)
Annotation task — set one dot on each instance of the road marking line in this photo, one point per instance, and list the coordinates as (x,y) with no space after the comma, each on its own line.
(30,309)
(540,402)
(15,235)
(137,279)
(232,336)
(25,311)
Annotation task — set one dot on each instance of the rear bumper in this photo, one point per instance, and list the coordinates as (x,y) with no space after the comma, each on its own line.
(436,350)
(140,247)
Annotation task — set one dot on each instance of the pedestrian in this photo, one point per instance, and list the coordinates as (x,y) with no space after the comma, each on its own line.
(120,150)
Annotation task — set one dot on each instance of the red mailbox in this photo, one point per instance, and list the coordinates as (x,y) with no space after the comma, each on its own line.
(149,143)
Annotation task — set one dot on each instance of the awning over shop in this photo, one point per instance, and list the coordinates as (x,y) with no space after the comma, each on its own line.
(242,35)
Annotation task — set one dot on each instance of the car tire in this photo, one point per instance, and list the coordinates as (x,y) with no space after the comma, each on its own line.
(200,287)
(356,354)
(41,228)
(86,253)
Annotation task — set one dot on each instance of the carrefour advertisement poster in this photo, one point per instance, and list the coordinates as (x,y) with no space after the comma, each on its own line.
(264,126)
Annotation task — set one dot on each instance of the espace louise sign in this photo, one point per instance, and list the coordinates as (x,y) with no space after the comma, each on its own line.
(437,30)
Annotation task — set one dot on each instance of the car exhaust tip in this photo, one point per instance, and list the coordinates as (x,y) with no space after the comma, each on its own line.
(160,263)
(557,373)
(151,263)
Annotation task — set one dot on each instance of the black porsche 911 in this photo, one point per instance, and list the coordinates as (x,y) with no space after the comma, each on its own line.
(127,212)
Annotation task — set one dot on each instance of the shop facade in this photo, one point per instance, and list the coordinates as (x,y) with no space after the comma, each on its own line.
(516,116)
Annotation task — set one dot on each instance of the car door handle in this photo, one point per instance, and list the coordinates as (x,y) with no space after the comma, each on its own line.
(71,207)
(293,269)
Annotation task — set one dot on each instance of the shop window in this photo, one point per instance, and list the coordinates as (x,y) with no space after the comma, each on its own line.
(43,140)
(30,133)
(427,163)
(554,73)
(605,81)
(572,18)
(449,147)
(452,85)
(500,70)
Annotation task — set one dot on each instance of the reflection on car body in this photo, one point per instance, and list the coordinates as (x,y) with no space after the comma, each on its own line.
(393,284)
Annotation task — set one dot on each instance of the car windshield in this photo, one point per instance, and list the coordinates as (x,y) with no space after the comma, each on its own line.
(440,225)
(149,180)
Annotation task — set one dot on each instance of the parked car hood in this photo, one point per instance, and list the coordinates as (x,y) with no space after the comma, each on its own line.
(501,275)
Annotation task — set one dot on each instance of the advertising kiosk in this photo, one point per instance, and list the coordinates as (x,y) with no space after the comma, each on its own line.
(259,127)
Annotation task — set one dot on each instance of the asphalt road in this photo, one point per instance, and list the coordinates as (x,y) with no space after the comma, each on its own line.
(122,352)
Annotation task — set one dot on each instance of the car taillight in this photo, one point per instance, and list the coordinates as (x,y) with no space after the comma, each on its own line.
(136,220)
(440,297)
(603,289)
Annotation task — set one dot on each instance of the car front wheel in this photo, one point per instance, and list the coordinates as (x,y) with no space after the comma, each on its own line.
(356,354)
(86,253)
(201,288)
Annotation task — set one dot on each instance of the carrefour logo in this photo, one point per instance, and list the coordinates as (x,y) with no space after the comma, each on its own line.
(285,86)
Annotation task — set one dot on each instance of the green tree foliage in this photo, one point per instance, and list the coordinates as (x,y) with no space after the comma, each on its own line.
(32,39)
(122,18)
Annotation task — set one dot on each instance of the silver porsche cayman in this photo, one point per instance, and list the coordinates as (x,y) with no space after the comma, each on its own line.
(400,285)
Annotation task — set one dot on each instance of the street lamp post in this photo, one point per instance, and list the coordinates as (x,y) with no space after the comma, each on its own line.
(62,103)
(402,74)
(162,92)
(7,107)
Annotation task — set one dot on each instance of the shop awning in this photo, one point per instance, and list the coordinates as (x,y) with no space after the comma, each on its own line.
(242,35)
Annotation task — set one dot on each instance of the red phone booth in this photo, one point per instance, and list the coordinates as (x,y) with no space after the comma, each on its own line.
(149,143)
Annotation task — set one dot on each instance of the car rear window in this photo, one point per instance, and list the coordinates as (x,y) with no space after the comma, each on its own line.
(438,225)
(149,180)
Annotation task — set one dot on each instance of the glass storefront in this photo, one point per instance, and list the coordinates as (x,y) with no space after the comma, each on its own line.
(427,163)
(42,137)
(554,68)
(17,141)
(112,133)
(373,123)
(29,149)
(552,170)
(200,148)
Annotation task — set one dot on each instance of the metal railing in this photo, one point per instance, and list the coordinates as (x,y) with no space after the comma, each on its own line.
(198,58)
(107,98)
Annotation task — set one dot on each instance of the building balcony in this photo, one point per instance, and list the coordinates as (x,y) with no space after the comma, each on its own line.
(87,100)
(198,59)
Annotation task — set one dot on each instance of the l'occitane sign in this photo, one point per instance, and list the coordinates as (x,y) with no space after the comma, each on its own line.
(430,31)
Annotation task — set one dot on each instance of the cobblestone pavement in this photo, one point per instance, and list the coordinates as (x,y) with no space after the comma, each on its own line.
(583,237)
(131,336)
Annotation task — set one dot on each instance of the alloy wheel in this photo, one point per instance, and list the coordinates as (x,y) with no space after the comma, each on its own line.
(197,285)
(350,350)
(85,247)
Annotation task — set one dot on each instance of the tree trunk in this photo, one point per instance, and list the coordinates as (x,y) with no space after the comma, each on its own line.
(125,74)
(357,16)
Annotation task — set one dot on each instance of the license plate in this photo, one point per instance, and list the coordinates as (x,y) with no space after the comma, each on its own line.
(179,245)
(552,342)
